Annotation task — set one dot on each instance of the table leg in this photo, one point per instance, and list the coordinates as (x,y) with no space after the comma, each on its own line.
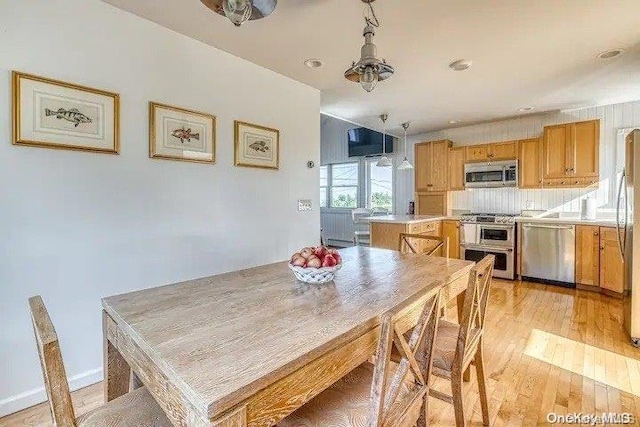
(466,376)
(237,418)
(117,372)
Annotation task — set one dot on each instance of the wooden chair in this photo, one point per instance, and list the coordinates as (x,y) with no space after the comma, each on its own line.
(458,346)
(135,409)
(384,394)
(423,244)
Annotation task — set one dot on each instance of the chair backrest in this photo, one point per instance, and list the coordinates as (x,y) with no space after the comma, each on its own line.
(358,214)
(402,399)
(423,244)
(55,377)
(475,306)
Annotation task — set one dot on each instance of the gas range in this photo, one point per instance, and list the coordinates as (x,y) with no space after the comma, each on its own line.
(488,218)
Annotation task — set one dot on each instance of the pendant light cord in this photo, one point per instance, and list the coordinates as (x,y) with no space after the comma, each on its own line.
(373,22)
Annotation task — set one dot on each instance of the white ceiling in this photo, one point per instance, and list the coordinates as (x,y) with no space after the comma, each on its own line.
(539,53)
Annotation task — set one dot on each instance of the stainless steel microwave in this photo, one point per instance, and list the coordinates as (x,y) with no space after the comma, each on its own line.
(491,174)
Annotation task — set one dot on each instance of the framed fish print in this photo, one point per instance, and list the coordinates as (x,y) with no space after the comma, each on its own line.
(55,114)
(179,134)
(256,146)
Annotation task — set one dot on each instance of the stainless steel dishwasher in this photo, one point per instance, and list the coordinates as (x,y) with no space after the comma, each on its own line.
(549,253)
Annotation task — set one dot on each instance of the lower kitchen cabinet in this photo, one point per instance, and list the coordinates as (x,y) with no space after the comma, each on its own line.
(451,229)
(598,260)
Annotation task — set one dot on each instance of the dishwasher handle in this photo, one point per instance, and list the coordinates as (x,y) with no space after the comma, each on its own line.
(554,227)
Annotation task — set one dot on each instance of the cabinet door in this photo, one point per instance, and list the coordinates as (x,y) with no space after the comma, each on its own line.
(422,166)
(476,153)
(556,151)
(432,203)
(451,229)
(611,265)
(503,151)
(456,168)
(585,140)
(529,167)
(439,171)
(588,255)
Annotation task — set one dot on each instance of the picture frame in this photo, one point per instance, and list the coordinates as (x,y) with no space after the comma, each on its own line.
(180,134)
(55,114)
(256,146)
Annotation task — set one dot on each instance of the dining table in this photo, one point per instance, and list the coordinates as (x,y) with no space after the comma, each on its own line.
(247,348)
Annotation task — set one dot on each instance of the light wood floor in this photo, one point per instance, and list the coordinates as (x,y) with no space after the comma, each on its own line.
(548,349)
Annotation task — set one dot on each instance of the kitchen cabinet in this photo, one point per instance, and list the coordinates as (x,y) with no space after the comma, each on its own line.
(588,255)
(492,152)
(529,166)
(611,263)
(570,155)
(432,166)
(456,168)
(432,203)
(386,235)
(451,229)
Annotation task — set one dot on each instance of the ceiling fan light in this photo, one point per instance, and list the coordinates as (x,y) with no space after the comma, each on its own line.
(369,79)
(238,11)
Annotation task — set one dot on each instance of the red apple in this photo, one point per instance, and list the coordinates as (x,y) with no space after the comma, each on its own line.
(294,256)
(306,252)
(336,255)
(298,261)
(329,261)
(320,252)
(313,262)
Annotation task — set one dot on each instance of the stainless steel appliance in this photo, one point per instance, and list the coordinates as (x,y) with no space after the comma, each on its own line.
(549,253)
(629,244)
(484,234)
(491,174)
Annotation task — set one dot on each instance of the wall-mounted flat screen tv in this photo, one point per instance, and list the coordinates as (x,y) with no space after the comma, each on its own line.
(367,142)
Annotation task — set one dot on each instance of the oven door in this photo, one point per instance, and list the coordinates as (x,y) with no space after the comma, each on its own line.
(504,266)
(496,235)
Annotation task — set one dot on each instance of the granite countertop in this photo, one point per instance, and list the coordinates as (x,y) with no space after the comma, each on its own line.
(603,222)
(414,219)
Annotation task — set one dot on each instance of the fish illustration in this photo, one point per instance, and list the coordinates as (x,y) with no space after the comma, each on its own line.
(183,134)
(72,115)
(260,146)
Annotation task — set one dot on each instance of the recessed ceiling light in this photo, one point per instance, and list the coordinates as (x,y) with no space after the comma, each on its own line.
(523,109)
(608,54)
(454,122)
(460,64)
(313,63)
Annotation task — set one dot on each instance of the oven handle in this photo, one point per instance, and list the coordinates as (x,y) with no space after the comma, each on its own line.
(487,248)
(495,226)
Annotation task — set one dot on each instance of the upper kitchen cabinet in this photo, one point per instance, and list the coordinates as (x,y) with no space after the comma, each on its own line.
(530,168)
(571,153)
(492,152)
(431,169)
(456,168)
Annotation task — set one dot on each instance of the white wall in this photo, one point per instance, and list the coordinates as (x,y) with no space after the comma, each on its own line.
(612,118)
(76,227)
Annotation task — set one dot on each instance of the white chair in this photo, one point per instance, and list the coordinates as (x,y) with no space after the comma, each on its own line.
(361,236)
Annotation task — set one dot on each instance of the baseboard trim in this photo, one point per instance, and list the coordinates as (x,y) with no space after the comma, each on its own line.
(33,397)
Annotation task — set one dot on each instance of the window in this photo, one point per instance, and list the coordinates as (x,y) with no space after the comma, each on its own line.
(379,186)
(343,181)
(324,185)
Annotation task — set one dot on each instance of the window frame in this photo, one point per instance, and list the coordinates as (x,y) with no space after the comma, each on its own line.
(330,186)
(326,188)
(369,161)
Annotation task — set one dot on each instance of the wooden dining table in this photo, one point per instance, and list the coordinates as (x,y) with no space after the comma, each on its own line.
(247,348)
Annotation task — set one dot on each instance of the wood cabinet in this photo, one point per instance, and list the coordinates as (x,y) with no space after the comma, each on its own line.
(529,166)
(492,152)
(570,154)
(588,255)
(451,229)
(432,203)
(598,260)
(456,168)
(386,235)
(431,169)
(611,263)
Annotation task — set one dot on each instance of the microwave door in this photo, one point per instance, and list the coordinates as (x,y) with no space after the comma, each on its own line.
(484,178)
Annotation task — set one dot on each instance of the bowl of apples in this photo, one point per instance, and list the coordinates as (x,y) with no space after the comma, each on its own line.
(315,265)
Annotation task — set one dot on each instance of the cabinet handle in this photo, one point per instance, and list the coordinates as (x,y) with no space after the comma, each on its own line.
(566,169)
(563,182)
(595,233)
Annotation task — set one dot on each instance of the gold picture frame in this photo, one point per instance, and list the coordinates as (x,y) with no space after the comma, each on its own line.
(55,114)
(256,146)
(180,134)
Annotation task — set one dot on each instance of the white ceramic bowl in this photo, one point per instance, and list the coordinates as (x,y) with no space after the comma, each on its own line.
(316,276)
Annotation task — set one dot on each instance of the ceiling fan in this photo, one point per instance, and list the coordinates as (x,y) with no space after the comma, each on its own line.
(241,11)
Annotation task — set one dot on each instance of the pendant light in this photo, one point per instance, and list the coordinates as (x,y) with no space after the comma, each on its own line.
(241,11)
(384,161)
(406,164)
(369,70)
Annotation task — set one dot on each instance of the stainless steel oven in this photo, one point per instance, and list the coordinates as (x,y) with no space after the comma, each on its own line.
(505,258)
(498,235)
(491,174)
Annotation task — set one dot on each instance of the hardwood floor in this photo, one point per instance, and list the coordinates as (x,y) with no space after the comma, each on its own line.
(548,349)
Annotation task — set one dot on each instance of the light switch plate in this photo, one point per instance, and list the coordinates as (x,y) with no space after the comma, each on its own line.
(304,205)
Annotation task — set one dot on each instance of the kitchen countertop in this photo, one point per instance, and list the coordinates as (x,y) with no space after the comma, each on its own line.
(414,219)
(406,219)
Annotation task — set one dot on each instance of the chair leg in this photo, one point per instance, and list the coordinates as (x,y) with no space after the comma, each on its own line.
(456,391)
(467,374)
(482,385)
(423,421)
